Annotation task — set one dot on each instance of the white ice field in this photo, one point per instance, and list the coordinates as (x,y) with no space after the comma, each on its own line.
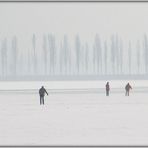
(75,113)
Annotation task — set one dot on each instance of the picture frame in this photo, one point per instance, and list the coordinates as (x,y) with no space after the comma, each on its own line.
(7,83)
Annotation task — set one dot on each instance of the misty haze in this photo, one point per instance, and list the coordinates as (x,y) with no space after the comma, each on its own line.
(47,49)
(53,41)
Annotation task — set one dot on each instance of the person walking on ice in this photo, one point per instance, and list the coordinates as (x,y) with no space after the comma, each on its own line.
(42,92)
(107,88)
(127,89)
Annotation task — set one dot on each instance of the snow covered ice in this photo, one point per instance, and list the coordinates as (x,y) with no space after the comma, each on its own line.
(75,113)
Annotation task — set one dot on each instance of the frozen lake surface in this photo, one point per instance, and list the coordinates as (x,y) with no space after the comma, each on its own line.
(80,115)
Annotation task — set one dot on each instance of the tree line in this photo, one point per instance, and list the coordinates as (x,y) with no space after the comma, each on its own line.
(101,57)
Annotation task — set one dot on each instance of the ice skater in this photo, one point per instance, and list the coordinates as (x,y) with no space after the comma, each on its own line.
(42,92)
(107,88)
(127,89)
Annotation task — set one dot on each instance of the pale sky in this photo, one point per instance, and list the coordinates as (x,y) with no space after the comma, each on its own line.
(129,20)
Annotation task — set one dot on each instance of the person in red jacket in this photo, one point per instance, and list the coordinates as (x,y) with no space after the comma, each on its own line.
(127,89)
(107,88)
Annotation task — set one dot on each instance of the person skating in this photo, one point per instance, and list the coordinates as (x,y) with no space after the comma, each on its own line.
(42,92)
(127,89)
(107,88)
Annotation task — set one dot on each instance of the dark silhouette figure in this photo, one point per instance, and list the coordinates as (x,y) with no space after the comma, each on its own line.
(127,89)
(42,92)
(107,88)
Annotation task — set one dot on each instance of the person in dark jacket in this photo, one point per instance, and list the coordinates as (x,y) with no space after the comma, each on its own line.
(42,92)
(107,88)
(127,89)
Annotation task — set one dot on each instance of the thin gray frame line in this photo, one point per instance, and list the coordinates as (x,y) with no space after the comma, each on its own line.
(74,1)
(71,146)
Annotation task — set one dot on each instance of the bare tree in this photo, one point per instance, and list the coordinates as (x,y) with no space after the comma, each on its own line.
(29,62)
(138,57)
(52,53)
(65,54)
(14,55)
(98,54)
(146,53)
(4,57)
(121,56)
(117,54)
(77,50)
(129,57)
(61,58)
(34,54)
(105,56)
(45,54)
(113,53)
(86,58)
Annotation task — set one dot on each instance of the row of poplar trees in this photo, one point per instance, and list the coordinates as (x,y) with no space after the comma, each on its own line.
(48,57)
